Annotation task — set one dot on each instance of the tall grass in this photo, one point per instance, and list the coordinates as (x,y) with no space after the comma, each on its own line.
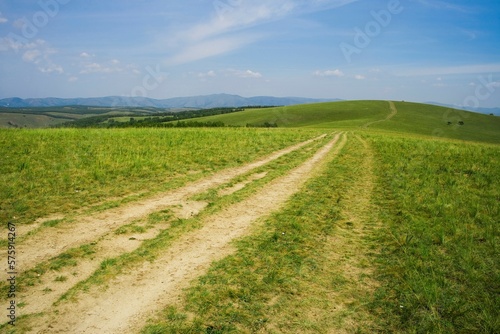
(47,171)
(440,263)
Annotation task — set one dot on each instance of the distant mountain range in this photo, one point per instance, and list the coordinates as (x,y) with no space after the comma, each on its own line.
(488,111)
(202,102)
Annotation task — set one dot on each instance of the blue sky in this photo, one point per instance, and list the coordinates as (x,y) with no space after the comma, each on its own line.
(415,50)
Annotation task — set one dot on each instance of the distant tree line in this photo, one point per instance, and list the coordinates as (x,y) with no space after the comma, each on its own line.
(164,119)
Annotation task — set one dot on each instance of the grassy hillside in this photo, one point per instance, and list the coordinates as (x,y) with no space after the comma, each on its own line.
(44,117)
(415,118)
(432,120)
(331,114)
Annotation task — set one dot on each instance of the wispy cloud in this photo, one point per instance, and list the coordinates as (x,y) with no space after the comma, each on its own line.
(209,74)
(90,65)
(224,31)
(248,74)
(451,70)
(329,73)
(444,5)
(85,55)
(39,53)
(209,48)
(110,67)
(3,19)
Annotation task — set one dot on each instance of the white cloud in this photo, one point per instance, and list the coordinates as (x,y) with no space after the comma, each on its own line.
(232,17)
(207,49)
(359,77)
(32,56)
(329,73)
(209,74)
(39,53)
(19,24)
(50,68)
(246,74)
(85,55)
(106,67)
(72,79)
(98,68)
(3,19)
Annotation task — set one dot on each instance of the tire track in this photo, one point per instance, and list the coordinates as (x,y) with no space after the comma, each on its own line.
(132,298)
(350,251)
(393,113)
(87,229)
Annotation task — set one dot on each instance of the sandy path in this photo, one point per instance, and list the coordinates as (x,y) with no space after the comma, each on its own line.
(131,299)
(393,113)
(50,242)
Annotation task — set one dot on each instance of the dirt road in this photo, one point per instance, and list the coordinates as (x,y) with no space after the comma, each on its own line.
(133,297)
(393,113)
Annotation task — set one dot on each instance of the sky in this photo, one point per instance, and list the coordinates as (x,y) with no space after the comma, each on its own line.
(414,50)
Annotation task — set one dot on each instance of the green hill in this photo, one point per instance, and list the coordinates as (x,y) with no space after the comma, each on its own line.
(415,118)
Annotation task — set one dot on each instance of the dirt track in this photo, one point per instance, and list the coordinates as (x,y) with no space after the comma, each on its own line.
(393,113)
(88,229)
(156,284)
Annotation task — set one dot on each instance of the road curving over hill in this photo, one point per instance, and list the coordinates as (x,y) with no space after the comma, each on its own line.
(393,113)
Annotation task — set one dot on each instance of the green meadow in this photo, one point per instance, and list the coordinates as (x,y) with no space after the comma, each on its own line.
(411,118)
(51,170)
(397,233)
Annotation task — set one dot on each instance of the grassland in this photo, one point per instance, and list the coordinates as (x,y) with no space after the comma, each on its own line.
(414,252)
(44,117)
(396,232)
(411,118)
(332,114)
(45,171)
(439,264)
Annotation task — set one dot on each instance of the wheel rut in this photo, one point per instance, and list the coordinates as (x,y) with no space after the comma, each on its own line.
(393,113)
(132,298)
(86,229)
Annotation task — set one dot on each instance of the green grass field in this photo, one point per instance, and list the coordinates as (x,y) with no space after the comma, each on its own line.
(43,171)
(412,118)
(397,233)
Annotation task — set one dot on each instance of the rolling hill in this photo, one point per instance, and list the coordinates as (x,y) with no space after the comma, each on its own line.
(414,118)
(398,117)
